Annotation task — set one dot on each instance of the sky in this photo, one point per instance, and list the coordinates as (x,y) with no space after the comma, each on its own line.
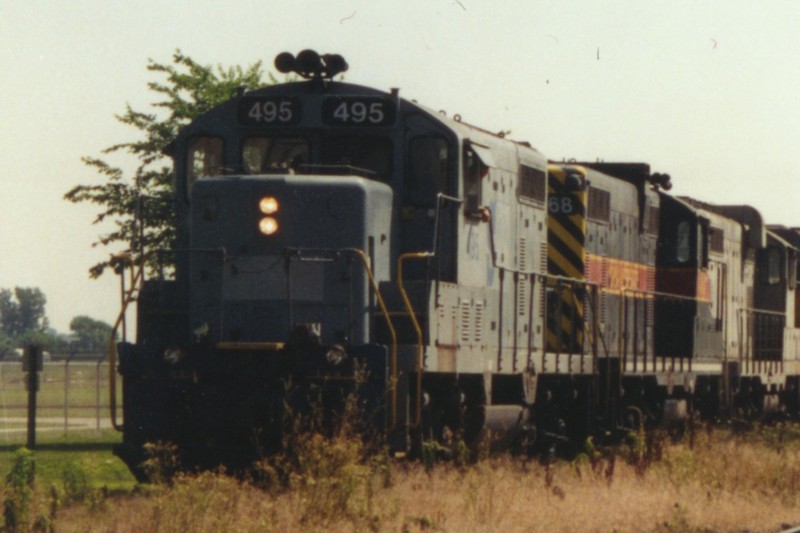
(706,91)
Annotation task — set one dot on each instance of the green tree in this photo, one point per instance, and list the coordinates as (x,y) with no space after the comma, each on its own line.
(9,311)
(189,90)
(91,335)
(7,346)
(22,312)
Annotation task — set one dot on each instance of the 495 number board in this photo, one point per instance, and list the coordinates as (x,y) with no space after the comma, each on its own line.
(353,111)
(269,111)
(358,111)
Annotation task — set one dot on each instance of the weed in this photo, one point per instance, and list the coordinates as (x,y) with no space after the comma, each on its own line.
(75,482)
(643,448)
(162,463)
(19,491)
(431,450)
(778,436)
(592,455)
(330,465)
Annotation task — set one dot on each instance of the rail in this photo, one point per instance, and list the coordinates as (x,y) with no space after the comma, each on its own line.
(415,323)
(761,339)
(623,320)
(392,332)
(127,296)
(591,330)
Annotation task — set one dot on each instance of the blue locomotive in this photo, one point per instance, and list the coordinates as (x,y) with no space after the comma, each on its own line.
(334,239)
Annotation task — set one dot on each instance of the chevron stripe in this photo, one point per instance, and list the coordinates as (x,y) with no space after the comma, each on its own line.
(559,265)
(566,253)
(570,235)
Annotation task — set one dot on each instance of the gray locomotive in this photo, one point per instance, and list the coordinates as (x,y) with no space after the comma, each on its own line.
(334,239)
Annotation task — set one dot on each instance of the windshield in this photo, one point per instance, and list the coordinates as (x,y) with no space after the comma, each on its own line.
(264,154)
(369,153)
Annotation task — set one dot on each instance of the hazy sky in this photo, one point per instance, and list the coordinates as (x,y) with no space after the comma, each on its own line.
(707,91)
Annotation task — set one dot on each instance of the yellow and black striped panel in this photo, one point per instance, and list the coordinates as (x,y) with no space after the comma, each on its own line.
(566,256)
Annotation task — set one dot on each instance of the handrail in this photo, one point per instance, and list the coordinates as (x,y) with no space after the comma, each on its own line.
(127,298)
(417,329)
(622,344)
(747,348)
(765,312)
(384,311)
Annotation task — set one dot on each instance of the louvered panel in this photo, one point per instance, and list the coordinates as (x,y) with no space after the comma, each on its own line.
(543,257)
(522,253)
(465,323)
(522,295)
(478,322)
(522,280)
(651,286)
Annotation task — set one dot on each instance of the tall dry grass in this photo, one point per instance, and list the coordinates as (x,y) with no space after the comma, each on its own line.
(724,482)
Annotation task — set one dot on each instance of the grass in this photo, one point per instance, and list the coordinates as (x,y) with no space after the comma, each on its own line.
(715,480)
(87,451)
(725,482)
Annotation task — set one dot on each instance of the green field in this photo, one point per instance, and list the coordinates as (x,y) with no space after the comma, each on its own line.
(73,418)
(86,452)
(67,389)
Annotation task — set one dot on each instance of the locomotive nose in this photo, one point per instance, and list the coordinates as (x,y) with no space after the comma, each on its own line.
(282,243)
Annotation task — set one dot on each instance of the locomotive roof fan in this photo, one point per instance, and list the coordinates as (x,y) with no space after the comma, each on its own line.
(310,65)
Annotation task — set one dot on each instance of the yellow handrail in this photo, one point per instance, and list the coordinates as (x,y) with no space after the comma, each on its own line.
(385,312)
(127,298)
(414,322)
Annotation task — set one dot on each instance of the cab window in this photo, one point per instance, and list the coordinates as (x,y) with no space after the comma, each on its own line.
(373,154)
(474,170)
(683,242)
(265,154)
(772,267)
(204,158)
(426,174)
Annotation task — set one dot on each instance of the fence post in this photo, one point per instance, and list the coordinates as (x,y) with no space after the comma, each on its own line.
(97,394)
(32,364)
(66,396)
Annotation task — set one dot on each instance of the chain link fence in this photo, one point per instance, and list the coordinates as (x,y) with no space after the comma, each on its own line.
(73,396)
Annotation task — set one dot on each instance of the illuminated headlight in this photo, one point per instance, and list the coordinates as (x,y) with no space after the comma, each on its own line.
(268,226)
(268,205)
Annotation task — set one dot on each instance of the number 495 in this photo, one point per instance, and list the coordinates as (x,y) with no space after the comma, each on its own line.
(359,112)
(271,111)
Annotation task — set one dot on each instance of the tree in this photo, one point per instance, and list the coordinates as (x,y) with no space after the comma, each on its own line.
(9,309)
(91,335)
(190,89)
(24,312)
(7,345)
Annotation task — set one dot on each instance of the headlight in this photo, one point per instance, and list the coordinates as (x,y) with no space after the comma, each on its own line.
(173,355)
(268,226)
(268,205)
(336,355)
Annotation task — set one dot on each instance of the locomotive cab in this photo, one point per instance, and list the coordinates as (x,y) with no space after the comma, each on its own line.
(689,323)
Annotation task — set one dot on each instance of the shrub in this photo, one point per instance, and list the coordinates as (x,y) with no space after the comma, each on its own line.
(19,491)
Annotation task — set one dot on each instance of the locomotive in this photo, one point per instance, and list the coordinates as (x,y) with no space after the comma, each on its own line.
(336,241)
